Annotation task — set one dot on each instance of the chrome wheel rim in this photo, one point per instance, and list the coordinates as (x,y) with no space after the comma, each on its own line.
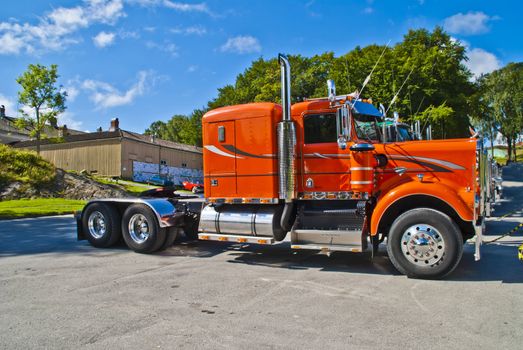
(96,224)
(423,245)
(139,228)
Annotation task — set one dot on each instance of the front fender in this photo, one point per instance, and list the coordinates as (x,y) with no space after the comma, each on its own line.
(437,190)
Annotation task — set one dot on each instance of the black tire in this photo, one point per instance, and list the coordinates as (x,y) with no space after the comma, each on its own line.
(424,243)
(101,225)
(151,238)
(171,234)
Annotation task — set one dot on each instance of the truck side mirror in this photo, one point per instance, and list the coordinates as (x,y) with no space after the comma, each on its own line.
(343,126)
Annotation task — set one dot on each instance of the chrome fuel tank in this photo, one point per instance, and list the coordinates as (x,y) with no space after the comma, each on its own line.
(252,220)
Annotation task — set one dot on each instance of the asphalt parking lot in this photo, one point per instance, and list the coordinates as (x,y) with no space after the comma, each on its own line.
(57,292)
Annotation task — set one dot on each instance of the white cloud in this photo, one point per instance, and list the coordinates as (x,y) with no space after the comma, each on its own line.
(72,92)
(11,44)
(193,30)
(468,24)
(368,10)
(185,7)
(9,105)
(104,39)
(105,11)
(12,107)
(481,62)
(178,6)
(69,17)
(69,119)
(55,30)
(192,69)
(128,34)
(242,45)
(167,47)
(104,95)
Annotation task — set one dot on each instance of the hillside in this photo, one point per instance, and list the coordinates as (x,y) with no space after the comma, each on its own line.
(24,174)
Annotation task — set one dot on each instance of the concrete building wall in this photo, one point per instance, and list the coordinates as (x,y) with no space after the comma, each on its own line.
(148,153)
(102,157)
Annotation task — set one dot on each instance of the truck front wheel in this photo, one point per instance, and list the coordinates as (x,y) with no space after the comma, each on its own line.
(424,243)
(101,224)
(140,229)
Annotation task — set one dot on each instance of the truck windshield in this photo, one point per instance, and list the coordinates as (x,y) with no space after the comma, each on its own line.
(366,127)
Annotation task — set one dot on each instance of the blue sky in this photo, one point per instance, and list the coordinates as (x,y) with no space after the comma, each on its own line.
(145,60)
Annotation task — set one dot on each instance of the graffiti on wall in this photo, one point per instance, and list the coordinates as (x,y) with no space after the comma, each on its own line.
(142,172)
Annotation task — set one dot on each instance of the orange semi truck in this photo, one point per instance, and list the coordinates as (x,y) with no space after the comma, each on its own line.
(318,172)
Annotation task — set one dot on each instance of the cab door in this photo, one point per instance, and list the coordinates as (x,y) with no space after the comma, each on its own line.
(220,161)
(325,167)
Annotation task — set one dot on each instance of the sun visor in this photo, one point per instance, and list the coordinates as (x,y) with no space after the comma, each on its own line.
(367,112)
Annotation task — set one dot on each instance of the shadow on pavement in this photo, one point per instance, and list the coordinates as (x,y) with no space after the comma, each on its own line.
(55,234)
(498,263)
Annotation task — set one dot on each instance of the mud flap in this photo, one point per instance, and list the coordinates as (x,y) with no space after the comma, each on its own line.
(80,234)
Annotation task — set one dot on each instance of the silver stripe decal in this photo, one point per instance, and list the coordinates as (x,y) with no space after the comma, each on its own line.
(326,156)
(432,160)
(337,155)
(320,155)
(218,151)
(362,168)
(361,182)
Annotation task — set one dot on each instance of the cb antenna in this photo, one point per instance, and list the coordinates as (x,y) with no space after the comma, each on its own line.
(399,90)
(367,79)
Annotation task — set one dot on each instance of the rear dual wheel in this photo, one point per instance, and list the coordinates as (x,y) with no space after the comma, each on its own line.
(141,231)
(101,225)
(424,243)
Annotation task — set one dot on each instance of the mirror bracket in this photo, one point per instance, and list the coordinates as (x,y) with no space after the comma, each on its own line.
(343,126)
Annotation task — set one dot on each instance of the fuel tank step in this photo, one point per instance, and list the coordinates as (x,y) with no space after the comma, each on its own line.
(235,238)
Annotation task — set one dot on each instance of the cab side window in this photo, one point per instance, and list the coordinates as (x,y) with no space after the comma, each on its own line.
(319,128)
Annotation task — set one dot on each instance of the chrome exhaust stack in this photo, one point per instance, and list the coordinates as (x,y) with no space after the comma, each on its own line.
(286,137)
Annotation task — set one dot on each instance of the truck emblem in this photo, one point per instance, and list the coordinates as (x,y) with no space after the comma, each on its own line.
(309,183)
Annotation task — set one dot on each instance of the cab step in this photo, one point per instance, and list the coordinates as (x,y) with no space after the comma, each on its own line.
(328,240)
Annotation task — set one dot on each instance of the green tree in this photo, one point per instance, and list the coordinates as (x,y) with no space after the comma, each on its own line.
(501,99)
(156,128)
(40,93)
(437,89)
(180,128)
(438,78)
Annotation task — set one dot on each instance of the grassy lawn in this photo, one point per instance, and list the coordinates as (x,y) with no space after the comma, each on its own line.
(38,207)
(134,188)
(503,160)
